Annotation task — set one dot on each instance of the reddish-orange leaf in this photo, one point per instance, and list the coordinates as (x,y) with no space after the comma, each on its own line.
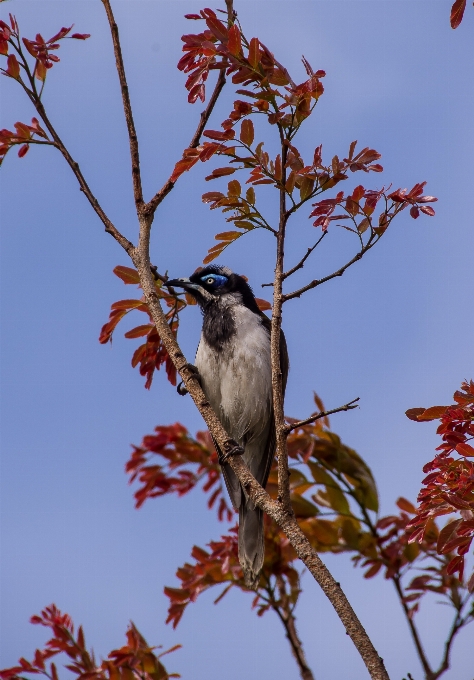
(220,172)
(23,150)
(228,236)
(405,505)
(374,569)
(413,413)
(127,274)
(247,132)
(254,52)
(13,67)
(234,188)
(234,45)
(457,13)
(465,450)
(127,304)
(446,533)
(40,71)
(139,331)
(432,413)
(214,253)
(212,196)
(263,305)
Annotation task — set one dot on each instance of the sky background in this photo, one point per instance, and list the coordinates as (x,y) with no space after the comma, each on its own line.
(396,330)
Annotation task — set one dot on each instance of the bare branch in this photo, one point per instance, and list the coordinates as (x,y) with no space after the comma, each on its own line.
(300,264)
(127,107)
(109,226)
(317,282)
(316,416)
(456,626)
(429,675)
(284,611)
(277,378)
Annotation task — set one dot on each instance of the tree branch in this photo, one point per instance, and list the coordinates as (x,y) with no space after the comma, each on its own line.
(285,613)
(317,282)
(457,624)
(275,349)
(127,107)
(108,224)
(312,419)
(300,264)
(429,675)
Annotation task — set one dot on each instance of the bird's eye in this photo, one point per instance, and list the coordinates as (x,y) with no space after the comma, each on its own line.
(210,281)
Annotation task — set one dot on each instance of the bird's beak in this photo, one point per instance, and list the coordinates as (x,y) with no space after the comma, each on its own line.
(182,283)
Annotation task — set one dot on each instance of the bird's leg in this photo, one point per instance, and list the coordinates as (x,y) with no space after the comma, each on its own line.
(231,449)
(194,376)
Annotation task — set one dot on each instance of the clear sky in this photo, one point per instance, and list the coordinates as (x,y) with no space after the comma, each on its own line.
(396,330)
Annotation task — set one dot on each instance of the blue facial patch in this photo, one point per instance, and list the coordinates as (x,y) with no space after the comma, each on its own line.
(214,280)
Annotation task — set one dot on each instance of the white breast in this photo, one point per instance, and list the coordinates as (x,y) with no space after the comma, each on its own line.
(237,380)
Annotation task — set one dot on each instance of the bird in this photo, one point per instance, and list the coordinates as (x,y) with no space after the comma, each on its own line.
(233,364)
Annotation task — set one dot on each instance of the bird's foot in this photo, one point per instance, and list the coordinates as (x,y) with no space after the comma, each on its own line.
(232,449)
(181,389)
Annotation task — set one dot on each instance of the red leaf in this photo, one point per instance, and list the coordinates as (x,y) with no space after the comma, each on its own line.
(81,36)
(457,13)
(432,413)
(247,132)
(127,274)
(254,53)
(263,305)
(413,413)
(139,331)
(220,136)
(427,209)
(374,569)
(23,150)
(414,211)
(446,534)
(465,450)
(234,45)
(405,505)
(220,172)
(13,67)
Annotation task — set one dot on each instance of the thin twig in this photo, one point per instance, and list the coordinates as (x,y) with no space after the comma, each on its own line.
(285,613)
(127,108)
(413,630)
(108,224)
(317,282)
(312,419)
(300,264)
(275,344)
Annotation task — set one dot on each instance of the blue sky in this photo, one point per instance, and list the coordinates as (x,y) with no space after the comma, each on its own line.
(396,330)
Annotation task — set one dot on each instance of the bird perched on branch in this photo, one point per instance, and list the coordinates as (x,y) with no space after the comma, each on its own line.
(234,368)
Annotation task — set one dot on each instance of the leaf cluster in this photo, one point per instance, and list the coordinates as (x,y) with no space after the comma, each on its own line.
(136,660)
(449,484)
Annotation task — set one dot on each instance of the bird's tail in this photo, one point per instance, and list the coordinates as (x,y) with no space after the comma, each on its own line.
(251,543)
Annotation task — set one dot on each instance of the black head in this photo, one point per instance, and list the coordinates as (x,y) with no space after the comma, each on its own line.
(211,284)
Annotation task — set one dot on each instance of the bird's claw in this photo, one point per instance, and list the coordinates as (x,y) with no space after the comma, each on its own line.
(181,389)
(233,450)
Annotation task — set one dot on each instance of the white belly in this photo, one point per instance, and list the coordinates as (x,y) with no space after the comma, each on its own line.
(237,380)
